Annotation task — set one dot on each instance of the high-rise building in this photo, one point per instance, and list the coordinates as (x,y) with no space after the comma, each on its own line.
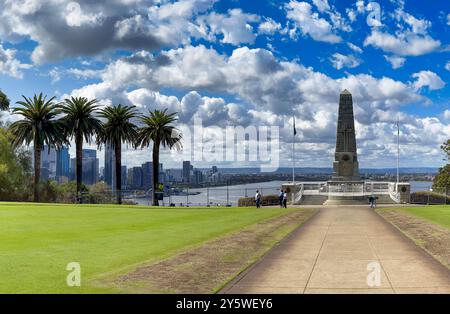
(135,178)
(90,167)
(174,175)
(48,163)
(197,176)
(186,171)
(110,168)
(124,177)
(62,164)
(147,172)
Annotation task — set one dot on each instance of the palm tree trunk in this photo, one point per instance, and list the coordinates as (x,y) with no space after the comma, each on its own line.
(118,157)
(37,169)
(79,167)
(155,172)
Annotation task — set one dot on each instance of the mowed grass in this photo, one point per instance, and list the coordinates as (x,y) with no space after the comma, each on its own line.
(438,214)
(38,240)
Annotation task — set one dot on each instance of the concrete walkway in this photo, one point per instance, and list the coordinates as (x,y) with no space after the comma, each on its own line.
(332,252)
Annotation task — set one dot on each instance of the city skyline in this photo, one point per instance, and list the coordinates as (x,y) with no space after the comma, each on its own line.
(232,63)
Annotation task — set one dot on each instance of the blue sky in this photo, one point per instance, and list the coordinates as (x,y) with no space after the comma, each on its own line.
(236,63)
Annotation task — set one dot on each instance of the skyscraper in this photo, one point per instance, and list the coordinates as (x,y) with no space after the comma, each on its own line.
(110,168)
(124,177)
(90,166)
(48,163)
(186,171)
(147,171)
(62,164)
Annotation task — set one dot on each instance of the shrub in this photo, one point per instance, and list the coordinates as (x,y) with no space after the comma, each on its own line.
(266,200)
(427,197)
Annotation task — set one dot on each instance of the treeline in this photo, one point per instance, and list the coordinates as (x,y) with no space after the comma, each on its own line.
(43,121)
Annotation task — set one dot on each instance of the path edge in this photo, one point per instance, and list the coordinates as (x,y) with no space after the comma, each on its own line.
(286,238)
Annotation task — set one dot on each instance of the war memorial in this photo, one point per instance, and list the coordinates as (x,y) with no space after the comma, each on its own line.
(345,186)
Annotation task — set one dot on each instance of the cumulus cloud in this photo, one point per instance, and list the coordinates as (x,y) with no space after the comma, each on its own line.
(269,27)
(233,28)
(428,79)
(309,23)
(9,65)
(87,27)
(404,44)
(266,91)
(395,61)
(410,39)
(340,61)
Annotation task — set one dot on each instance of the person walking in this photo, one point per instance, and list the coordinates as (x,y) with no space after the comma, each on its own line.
(258,199)
(284,199)
(372,201)
(281,197)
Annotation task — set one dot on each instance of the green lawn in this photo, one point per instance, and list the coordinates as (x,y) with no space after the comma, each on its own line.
(436,214)
(38,241)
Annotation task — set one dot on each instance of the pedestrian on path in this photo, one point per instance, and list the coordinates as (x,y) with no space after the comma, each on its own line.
(372,200)
(258,199)
(281,197)
(285,199)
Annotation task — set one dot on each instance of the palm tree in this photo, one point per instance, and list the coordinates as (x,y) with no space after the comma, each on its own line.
(116,129)
(81,124)
(40,126)
(158,129)
(4,101)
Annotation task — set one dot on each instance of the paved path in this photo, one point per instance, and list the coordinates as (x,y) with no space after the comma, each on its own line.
(331,253)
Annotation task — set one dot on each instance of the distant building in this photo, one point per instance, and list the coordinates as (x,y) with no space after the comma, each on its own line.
(110,169)
(135,178)
(187,171)
(90,167)
(174,175)
(147,172)
(124,177)
(62,164)
(197,177)
(48,163)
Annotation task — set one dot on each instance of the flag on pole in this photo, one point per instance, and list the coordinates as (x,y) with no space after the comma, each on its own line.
(295,130)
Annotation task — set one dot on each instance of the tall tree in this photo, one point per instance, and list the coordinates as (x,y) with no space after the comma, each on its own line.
(118,128)
(441,182)
(80,123)
(4,101)
(40,126)
(158,129)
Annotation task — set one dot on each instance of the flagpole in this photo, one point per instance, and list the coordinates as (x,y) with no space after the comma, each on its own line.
(293,153)
(398,150)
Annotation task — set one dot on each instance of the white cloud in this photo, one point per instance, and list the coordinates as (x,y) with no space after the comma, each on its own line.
(354,48)
(267,91)
(269,27)
(233,28)
(340,61)
(322,5)
(9,65)
(428,79)
(395,61)
(406,44)
(446,114)
(75,17)
(309,23)
(447,66)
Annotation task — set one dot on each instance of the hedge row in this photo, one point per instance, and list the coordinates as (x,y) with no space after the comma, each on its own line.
(267,200)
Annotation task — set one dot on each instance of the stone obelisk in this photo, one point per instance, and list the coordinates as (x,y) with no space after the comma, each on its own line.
(345,165)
